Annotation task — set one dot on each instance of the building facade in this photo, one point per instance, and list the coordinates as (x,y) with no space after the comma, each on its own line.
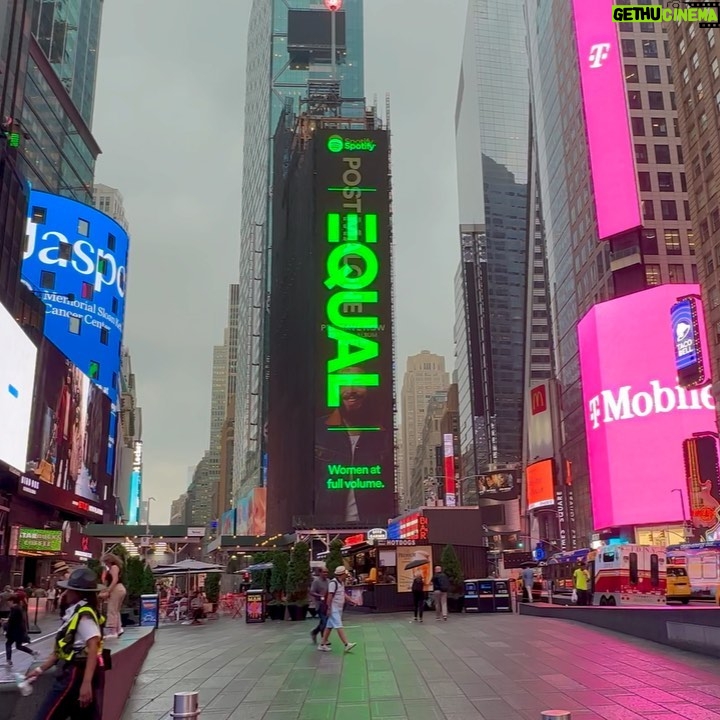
(277,78)
(426,481)
(110,201)
(425,375)
(695,55)
(581,269)
(491,136)
(128,472)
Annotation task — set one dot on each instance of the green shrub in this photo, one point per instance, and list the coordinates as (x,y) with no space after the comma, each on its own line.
(334,558)
(279,573)
(452,568)
(298,577)
(212,587)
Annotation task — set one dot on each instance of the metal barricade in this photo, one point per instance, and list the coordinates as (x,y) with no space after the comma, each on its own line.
(556,715)
(186,705)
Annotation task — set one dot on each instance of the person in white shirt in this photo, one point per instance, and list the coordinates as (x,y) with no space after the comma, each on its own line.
(77,693)
(336,602)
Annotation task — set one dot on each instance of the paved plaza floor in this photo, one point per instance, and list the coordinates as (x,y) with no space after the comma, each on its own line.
(473,667)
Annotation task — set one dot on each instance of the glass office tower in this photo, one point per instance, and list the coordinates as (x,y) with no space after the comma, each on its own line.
(492,142)
(275,81)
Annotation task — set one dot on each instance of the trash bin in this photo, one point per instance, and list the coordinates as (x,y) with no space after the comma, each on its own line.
(255,606)
(149,610)
(486,595)
(471,596)
(503,599)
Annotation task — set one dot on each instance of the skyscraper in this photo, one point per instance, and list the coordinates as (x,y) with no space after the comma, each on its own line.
(110,201)
(278,70)
(588,260)
(491,131)
(425,375)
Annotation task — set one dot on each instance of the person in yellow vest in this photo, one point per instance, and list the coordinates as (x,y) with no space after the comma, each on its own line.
(77,693)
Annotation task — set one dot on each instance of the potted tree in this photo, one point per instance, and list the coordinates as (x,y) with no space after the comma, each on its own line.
(334,558)
(278,583)
(212,589)
(298,581)
(452,568)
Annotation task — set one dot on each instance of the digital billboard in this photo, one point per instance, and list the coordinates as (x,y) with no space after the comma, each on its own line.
(703,482)
(636,415)
(540,422)
(689,360)
(227,522)
(32,540)
(68,434)
(540,485)
(133,511)
(354,393)
(610,145)
(449,470)
(499,485)
(76,261)
(17,379)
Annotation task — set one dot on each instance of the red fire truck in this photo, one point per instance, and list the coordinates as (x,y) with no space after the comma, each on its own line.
(630,575)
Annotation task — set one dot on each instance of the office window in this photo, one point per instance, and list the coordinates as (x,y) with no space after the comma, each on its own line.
(715,67)
(641,153)
(662,154)
(685,76)
(672,242)
(65,250)
(647,27)
(649,242)
(673,106)
(694,273)
(665,182)
(75,324)
(644,181)
(682,46)
(652,274)
(695,61)
(704,230)
(666,47)
(683,182)
(715,220)
(668,209)
(659,127)
(648,210)
(707,155)
(39,214)
(676,274)
(681,158)
(652,74)
(692,30)
(631,74)
(656,100)
(638,126)
(83,227)
(676,127)
(87,291)
(628,47)
(699,91)
(650,50)
(686,209)
(691,242)
(634,100)
(47,280)
(104,335)
(717,100)
(711,37)
(625,27)
(703,122)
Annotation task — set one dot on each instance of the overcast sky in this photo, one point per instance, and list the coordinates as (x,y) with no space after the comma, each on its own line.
(169,119)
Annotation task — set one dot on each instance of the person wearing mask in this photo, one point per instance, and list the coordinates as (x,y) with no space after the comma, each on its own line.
(318,593)
(528,579)
(336,603)
(16,631)
(581,579)
(441,587)
(418,593)
(77,693)
(115,594)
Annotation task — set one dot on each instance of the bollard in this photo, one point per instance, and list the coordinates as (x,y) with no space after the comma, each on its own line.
(186,705)
(556,715)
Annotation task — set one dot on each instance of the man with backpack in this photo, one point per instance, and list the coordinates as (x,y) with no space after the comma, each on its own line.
(441,587)
(336,602)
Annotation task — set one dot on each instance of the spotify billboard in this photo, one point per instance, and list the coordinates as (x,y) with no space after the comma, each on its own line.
(354,393)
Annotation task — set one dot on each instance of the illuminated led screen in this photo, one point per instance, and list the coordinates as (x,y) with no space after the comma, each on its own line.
(637,417)
(610,145)
(354,436)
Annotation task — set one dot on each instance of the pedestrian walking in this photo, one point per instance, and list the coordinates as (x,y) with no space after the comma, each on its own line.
(581,578)
(16,631)
(441,587)
(114,594)
(77,693)
(528,578)
(336,602)
(318,593)
(418,593)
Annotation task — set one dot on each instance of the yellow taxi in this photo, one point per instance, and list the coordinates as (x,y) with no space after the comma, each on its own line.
(678,585)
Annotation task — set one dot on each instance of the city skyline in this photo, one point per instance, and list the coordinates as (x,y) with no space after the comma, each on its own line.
(168,212)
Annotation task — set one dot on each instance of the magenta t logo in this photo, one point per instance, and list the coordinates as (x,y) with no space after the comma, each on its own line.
(598,54)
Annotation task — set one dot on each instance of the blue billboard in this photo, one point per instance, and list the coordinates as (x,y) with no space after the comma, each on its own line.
(76,262)
(687,343)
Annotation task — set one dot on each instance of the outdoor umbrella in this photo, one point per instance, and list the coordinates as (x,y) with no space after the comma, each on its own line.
(418,562)
(188,567)
(258,567)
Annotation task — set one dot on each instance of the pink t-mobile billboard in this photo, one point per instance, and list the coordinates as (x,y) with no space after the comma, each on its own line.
(610,146)
(636,415)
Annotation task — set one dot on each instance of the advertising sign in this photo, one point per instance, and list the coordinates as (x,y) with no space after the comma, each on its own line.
(76,260)
(377,535)
(149,610)
(607,124)
(69,430)
(703,481)
(540,422)
(411,555)
(354,434)
(32,540)
(136,483)
(227,522)
(500,485)
(687,341)
(17,380)
(449,470)
(251,513)
(410,527)
(540,485)
(636,415)
(255,606)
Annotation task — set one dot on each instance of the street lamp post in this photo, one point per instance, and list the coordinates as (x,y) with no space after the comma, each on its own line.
(684,514)
(147,515)
(333,6)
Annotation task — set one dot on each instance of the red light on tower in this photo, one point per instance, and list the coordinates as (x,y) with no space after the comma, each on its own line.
(333,5)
